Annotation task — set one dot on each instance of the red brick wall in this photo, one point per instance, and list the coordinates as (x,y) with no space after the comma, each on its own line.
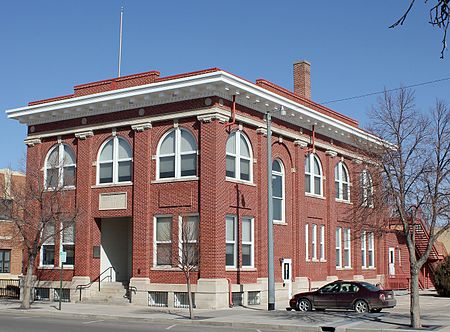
(212,197)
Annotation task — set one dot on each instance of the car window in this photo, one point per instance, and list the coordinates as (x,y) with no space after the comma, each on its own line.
(347,287)
(330,288)
(370,287)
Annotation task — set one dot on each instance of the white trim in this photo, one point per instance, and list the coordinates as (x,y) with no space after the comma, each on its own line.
(283,191)
(347,247)
(307,242)
(60,166)
(310,160)
(314,242)
(155,241)
(371,248)
(115,161)
(186,82)
(180,230)
(366,183)
(231,242)
(238,134)
(177,154)
(338,237)
(322,243)
(251,243)
(363,250)
(341,168)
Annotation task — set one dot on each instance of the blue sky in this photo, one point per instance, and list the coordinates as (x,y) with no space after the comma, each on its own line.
(49,46)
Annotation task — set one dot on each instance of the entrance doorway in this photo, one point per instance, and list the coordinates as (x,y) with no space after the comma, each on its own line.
(392,261)
(116,249)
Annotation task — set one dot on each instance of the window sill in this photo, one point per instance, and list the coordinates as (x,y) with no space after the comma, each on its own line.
(323,260)
(344,268)
(112,185)
(242,269)
(46,267)
(281,223)
(67,267)
(168,180)
(372,268)
(248,183)
(66,188)
(338,200)
(314,260)
(165,268)
(315,196)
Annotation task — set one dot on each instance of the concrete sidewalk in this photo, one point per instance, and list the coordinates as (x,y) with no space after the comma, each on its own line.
(436,316)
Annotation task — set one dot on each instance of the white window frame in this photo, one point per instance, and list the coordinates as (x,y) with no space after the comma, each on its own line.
(364,250)
(307,242)
(61,165)
(232,242)
(341,169)
(371,249)
(177,155)
(62,243)
(339,247)
(282,198)
(347,247)
(237,157)
(115,161)
(251,242)
(46,243)
(322,243)
(180,230)
(310,159)
(366,188)
(156,242)
(314,243)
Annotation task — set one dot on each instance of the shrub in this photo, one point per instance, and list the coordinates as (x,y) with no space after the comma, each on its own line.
(442,278)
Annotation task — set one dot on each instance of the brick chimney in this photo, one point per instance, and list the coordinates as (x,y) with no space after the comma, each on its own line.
(302,79)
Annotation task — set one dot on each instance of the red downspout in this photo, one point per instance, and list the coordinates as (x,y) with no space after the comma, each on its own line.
(233,113)
(313,149)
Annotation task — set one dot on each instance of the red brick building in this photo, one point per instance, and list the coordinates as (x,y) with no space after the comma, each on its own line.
(11,241)
(141,154)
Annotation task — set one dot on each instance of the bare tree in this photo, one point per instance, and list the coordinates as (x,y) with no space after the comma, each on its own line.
(188,256)
(413,165)
(439,17)
(41,210)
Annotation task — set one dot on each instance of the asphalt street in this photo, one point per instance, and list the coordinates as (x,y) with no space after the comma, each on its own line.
(24,323)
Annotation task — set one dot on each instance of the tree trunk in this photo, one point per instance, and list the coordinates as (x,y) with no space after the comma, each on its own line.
(191,306)
(28,283)
(414,307)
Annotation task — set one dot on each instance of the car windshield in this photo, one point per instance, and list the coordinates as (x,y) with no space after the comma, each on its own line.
(370,287)
(330,288)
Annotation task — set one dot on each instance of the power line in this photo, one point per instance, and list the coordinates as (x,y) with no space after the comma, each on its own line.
(380,92)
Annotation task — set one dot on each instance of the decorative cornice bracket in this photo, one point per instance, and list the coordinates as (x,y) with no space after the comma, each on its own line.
(213,116)
(140,127)
(32,142)
(302,144)
(84,134)
(261,131)
(331,153)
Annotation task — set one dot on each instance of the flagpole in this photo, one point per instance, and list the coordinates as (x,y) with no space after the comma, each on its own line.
(120,40)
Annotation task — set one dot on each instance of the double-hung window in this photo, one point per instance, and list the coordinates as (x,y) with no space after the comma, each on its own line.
(314,242)
(68,243)
(163,241)
(60,167)
(313,175)
(177,155)
(48,246)
(238,157)
(342,182)
(366,189)
(363,250)
(371,251)
(231,245)
(248,242)
(278,191)
(5,261)
(114,162)
(188,241)
(322,242)
(307,242)
(338,247)
(347,248)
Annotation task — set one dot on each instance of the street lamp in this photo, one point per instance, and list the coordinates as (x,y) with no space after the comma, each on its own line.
(271,276)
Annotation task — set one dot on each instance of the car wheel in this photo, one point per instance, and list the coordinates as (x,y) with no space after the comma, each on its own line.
(303,305)
(361,306)
(376,310)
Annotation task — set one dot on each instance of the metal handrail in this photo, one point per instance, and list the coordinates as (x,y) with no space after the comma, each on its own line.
(130,291)
(99,279)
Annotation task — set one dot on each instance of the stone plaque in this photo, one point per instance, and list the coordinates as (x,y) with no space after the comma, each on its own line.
(112,201)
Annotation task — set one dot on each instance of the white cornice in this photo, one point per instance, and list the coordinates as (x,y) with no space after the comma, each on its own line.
(84,134)
(214,83)
(142,126)
(32,141)
(213,116)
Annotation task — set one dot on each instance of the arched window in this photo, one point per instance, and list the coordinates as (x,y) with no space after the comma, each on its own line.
(114,161)
(366,189)
(177,155)
(239,157)
(342,182)
(60,167)
(313,175)
(278,191)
